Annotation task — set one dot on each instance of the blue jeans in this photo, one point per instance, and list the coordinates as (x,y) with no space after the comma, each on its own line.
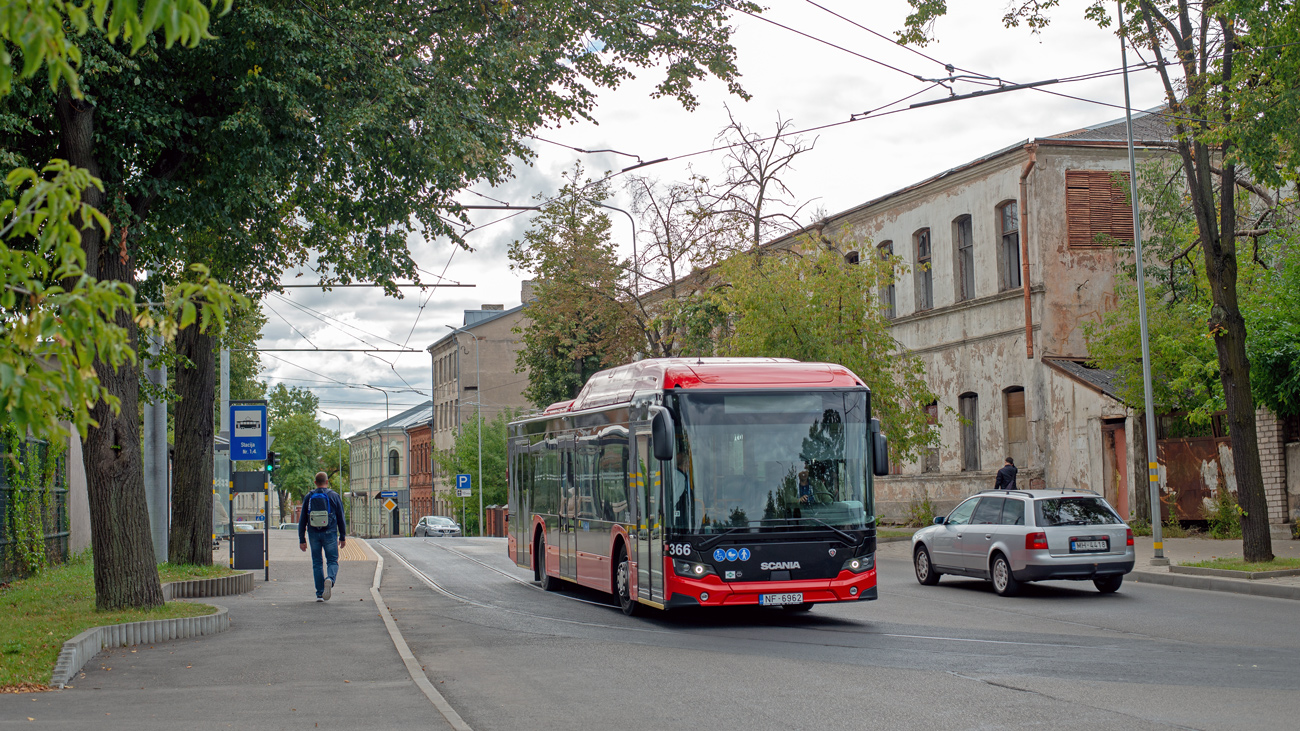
(326,541)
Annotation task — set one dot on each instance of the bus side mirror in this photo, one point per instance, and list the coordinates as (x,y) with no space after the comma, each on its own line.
(661,434)
(879,450)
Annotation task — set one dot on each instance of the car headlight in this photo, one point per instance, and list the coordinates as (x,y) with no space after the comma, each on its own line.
(692,570)
(860,564)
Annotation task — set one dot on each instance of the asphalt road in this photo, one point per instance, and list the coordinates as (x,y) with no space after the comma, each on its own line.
(508,655)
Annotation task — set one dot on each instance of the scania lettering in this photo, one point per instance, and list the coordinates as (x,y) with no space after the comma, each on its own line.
(702,482)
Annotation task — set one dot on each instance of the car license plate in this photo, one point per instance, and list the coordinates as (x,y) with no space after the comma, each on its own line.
(771,600)
(1089,545)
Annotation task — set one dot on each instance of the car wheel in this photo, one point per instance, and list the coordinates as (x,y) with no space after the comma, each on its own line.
(1108,584)
(623,584)
(1003,582)
(798,608)
(925,572)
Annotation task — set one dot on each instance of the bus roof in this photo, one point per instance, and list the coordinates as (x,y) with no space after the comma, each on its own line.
(616,385)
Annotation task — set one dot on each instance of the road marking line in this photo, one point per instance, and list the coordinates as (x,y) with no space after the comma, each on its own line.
(413,665)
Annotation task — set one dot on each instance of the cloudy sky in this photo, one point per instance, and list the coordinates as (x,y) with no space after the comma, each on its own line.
(789,75)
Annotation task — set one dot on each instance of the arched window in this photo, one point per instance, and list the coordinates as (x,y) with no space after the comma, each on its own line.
(394,462)
(886,252)
(1008,246)
(924,276)
(964,242)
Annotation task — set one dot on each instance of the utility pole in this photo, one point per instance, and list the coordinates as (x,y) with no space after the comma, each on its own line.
(1153,467)
(155,454)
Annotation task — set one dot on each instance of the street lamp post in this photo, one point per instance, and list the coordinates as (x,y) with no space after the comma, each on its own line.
(380,457)
(478,417)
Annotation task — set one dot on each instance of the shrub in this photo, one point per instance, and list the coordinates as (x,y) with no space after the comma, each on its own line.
(920,512)
(1223,515)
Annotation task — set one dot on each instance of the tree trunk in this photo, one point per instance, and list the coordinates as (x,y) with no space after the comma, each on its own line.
(126,573)
(1141,485)
(191,533)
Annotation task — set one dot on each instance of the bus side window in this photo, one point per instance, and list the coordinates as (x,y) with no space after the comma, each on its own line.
(613,481)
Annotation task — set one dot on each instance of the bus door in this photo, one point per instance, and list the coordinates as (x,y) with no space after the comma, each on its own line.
(649,533)
(568,512)
(520,500)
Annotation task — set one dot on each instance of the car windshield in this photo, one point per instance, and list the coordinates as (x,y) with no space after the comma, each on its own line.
(1075,511)
(770,460)
(441,521)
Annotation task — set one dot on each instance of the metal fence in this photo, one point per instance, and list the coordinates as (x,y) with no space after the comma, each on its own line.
(48,503)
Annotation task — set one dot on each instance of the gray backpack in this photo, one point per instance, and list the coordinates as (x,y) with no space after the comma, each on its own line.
(319,510)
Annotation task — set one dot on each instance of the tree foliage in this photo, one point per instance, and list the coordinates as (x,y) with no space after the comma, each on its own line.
(463,458)
(813,305)
(580,322)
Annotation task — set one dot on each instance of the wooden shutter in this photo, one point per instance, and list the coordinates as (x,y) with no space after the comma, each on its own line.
(1095,204)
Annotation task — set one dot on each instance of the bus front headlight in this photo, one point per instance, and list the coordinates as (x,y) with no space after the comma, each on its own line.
(692,570)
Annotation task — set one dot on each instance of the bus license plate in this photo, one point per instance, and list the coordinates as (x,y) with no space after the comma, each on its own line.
(771,600)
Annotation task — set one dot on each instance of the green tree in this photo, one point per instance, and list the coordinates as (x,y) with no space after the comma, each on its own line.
(1229,70)
(581,321)
(812,305)
(463,458)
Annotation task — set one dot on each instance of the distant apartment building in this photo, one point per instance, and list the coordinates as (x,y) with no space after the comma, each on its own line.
(472,368)
(381,470)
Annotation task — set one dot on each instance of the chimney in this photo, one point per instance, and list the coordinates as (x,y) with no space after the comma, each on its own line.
(492,308)
(526,292)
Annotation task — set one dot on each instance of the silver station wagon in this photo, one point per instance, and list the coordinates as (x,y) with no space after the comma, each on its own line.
(1014,536)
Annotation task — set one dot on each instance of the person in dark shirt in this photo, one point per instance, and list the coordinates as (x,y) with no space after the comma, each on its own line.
(325,539)
(1006,479)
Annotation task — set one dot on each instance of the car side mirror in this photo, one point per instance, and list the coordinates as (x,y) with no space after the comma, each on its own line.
(879,450)
(940,520)
(661,434)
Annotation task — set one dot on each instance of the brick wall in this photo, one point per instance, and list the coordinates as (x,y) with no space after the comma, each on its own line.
(1272,462)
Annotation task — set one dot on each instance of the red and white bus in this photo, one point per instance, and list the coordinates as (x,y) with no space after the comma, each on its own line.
(686,482)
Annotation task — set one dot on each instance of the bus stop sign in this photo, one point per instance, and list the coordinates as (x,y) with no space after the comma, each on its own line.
(248,435)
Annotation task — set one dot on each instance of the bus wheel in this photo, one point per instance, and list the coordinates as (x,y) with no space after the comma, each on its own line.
(623,583)
(539,565)
(805,607)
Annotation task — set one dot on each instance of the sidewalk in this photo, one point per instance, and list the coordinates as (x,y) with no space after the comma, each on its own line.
(1183,551)
(286,662)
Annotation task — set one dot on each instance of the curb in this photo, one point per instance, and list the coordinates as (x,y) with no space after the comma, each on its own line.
(1213,583)
(1230,574)
(78,650)
(240,583)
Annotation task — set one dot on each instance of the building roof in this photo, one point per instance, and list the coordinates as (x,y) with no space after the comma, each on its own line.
(413,416)
(1148,127)
(471,323)
(1100,380)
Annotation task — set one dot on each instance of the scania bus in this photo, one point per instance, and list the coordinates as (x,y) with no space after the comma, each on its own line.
(685,482)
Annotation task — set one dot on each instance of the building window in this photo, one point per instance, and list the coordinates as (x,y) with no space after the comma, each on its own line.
(968,408)
(886,250)
(964,236)
(1009,253)
(1017,426)
(924,276)
(930,457)
(394,462)
(851,257)
(1096,206)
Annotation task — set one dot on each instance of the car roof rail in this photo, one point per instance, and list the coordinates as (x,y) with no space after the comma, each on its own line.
(1004,491)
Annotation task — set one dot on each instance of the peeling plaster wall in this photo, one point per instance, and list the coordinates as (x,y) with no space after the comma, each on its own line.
(978,345)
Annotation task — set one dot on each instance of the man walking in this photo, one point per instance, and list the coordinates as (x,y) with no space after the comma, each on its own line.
(322,526)
(1006,479)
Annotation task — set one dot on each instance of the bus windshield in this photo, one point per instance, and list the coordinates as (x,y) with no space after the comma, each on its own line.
(770,460)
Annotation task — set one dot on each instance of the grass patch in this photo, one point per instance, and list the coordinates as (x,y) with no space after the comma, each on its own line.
(42,612)
(182,572)
(893,534)
(1239,564)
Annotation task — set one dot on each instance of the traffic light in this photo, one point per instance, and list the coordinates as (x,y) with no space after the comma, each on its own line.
(272,462)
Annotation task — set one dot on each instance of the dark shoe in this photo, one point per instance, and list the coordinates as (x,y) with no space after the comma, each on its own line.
(319,599)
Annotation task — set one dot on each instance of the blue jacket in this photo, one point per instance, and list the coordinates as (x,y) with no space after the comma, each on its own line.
(336,505)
